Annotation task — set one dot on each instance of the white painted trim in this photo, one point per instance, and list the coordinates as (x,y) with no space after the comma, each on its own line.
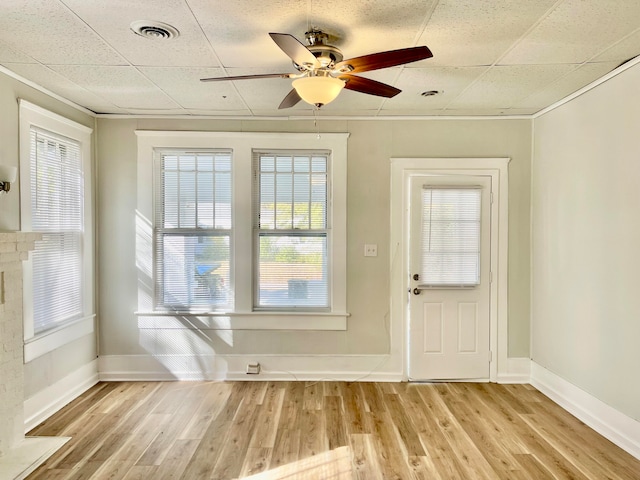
(401,168)
(51,399)
(243,321)
(518,371)
(233,367)
(48,116)
(622,430)
(310,118)
(56,338)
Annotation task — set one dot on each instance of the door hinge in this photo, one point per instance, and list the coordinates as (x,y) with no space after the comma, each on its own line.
(491,197)
(490,277)
(490,356)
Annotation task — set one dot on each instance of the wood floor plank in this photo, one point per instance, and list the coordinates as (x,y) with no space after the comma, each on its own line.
(552,460)
(264,435)
(403,424)
(286,447)
(334,422)
(204,459)
(285,430)
(235,448)
(468,454)
(364,457)
(354,407)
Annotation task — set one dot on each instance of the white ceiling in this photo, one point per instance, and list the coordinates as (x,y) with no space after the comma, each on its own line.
(490,57)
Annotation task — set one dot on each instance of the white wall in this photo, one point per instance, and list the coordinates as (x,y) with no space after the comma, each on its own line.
(585,244)
(371,145)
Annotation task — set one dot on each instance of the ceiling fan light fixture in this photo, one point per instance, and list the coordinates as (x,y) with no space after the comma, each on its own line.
(318,90)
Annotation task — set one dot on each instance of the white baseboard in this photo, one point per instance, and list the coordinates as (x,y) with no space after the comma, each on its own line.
(518,371)
(377,368)
(48,401)
(622,430)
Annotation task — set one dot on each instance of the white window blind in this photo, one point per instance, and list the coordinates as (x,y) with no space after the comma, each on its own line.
(57,198)
(291,228)
(450,236)
(193,229)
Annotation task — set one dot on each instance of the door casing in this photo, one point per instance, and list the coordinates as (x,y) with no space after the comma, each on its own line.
(402,170)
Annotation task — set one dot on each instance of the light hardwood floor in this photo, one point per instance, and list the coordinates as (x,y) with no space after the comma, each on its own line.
(325,430)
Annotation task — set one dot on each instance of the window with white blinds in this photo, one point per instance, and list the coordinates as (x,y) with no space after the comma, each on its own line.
(291,229)
(193,220)
(57,199)
(450,236)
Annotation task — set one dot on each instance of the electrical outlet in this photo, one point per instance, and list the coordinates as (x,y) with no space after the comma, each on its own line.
(253,368)
(371,250)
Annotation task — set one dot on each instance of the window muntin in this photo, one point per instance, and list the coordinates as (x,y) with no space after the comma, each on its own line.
(57,200)
(450,236)
(291,230)
(193,230)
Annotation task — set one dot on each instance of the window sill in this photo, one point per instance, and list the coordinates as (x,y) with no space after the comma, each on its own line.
(50,340)
(243,320)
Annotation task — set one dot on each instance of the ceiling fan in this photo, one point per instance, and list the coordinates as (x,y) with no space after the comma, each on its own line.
(322,72)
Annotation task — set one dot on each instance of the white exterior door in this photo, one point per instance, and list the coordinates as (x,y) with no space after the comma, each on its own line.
(450,278)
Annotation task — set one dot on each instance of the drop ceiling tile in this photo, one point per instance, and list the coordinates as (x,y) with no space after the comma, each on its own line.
(404,112)
(364,27)
(11,55)
(566,85)
(123,86)
(625,49)
(183,85)
(157,111)
(56,83)
(219,113)
(50,33)
(576,31)
(501,87)
(450,81)
(478,32)
(475,112)
(357,28)
(112,20)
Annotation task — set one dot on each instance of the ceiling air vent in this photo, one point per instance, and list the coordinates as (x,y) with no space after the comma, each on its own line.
(154,30)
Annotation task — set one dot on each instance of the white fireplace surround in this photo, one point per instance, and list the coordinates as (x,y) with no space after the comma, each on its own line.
(19,455)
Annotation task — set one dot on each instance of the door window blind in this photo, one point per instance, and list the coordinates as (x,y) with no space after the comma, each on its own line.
(291,228)
(450,236)
(57,199)
(193,218)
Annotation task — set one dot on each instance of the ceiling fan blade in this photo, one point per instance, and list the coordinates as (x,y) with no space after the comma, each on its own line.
(248,77)
(371,87)
(290,100)
(295,49)
(385,59)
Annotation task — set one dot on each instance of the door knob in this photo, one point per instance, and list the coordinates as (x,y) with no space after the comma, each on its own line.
(416,291)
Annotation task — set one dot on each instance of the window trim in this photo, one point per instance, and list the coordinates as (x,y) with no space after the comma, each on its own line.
(242,144)
(48,340)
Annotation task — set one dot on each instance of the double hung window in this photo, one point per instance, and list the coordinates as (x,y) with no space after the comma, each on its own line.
(57,196)
(291,229)
(194,229)
(56,202)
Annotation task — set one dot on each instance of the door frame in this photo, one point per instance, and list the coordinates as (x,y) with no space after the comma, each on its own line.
(402,169)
